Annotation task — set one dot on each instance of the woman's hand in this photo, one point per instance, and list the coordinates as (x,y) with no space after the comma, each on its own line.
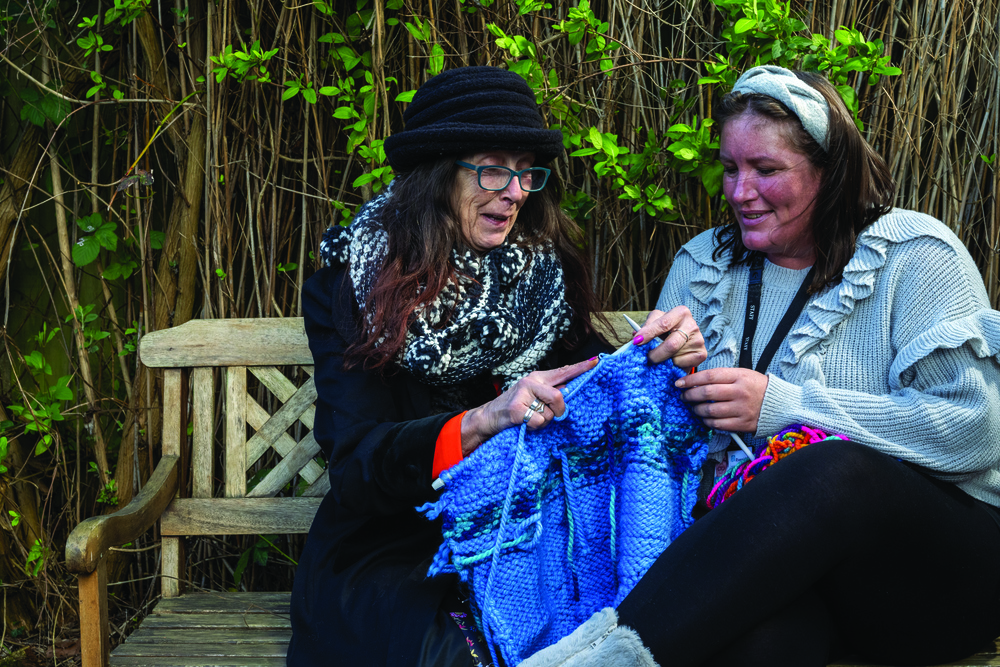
(727,399)
(682,339)
(509,408)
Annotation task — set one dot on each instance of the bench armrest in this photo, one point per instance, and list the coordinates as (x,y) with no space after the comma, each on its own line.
(90,540)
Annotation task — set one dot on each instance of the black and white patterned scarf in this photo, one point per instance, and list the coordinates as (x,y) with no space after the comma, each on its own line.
(508,308)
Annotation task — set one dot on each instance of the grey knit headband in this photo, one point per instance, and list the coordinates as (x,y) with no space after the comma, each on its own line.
(801,99)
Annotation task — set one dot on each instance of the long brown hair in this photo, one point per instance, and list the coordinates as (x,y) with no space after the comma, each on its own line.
(423,228)
(855,189)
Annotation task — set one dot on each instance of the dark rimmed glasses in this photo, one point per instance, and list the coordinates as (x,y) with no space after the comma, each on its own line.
(494,177)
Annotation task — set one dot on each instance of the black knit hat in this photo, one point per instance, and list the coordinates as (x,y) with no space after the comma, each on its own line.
(471,109)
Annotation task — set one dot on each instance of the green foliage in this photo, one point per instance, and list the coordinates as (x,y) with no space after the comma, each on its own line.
(258,553)
(37,411)
(762,32)
(86,316)
(37,557)
(109,491)
(243,64)
(38,107)
(580,24)
(125,11)
(101,235)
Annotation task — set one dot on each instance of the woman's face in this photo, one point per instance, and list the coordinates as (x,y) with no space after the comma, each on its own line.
(486,216)
(771,188)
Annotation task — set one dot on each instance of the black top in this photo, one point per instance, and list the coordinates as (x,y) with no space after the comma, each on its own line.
(361,593)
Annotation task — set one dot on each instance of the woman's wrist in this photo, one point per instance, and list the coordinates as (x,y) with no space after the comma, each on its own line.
(472,435)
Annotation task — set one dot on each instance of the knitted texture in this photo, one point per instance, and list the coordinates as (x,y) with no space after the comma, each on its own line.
(792,439)
(470,109)
(546,527)
(900,355)
(507,309)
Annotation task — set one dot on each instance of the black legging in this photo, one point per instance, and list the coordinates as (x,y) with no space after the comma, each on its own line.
(837,548)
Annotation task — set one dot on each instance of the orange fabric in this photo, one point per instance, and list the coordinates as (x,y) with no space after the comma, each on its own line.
(448,448)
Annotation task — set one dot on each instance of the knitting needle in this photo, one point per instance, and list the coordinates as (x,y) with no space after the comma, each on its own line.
(742,445)
(635,327)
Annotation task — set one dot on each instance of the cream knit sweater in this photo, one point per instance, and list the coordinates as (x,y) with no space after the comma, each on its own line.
(902,355)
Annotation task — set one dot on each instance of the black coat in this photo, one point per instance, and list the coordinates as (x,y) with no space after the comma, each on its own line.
(361,594)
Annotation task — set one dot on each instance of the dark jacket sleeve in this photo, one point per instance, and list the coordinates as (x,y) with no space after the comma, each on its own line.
(375,431)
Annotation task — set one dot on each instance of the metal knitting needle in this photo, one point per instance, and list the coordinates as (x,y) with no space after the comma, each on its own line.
(635,327)
(739,441)
(742,445)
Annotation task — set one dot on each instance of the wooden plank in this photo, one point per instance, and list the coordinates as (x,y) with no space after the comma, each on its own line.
(283,389)
(95,642)
(239,516)
(203,422)
(172,400)
(990,655)
(319,488)
(257,417)
(172,558)
(183,650)
(274,341)
(218,620)
(289,466)
(236,432)
(197,661)
(284,417)
(224,603)
(147,634)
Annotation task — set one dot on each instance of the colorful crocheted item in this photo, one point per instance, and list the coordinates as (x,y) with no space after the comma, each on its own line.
(790,440)
(546,527)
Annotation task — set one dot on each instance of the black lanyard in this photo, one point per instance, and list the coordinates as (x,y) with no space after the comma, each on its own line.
(753,314)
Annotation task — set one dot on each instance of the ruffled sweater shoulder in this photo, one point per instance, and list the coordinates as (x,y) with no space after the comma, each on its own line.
(901,353)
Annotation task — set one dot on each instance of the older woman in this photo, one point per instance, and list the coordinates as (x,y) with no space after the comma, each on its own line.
(447,311)
(819,304)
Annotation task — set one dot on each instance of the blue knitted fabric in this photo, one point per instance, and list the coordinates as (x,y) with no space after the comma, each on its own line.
(580,509)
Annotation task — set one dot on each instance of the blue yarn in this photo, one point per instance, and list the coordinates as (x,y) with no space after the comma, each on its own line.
(548,526)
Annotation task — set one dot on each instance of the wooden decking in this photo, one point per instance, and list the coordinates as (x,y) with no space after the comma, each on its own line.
(253,629)
(211,629)
(990,655)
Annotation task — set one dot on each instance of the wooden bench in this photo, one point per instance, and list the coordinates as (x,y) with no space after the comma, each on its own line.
(221,628)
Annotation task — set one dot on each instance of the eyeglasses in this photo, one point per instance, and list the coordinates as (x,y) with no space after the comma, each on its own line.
(494,177)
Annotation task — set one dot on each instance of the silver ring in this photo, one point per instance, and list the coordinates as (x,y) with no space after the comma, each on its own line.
(527,416)
(681,332)
(537,406)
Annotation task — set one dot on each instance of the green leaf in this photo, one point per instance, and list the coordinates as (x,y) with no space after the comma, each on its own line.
(86,251)
(106,236)
(156,239)
(344,113)
(744,25)
(309,94)
(596,139)
(33,115)
(406,96)
(291,92)
(846,37)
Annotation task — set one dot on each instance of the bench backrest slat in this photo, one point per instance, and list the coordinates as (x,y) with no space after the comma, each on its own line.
(238,516)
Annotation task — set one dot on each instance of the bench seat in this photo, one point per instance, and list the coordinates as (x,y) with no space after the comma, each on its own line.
(208,629)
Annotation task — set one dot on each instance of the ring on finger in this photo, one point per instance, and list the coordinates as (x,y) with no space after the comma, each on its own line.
(537,405)
(687,337)
(528,415)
